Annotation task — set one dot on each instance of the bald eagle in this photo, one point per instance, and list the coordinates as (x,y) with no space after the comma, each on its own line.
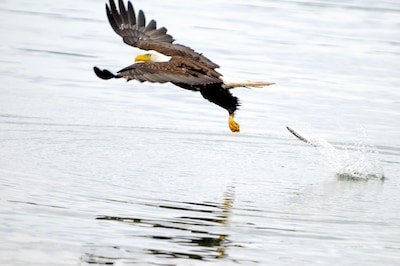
(165,61)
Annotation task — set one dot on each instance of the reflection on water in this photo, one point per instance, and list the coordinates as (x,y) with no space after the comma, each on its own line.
(196,228)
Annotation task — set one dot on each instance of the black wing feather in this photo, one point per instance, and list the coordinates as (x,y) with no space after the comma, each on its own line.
(104,74)
(141,22)
(124,14)
(114,24)
(131,14)
(151,26)
(114,13)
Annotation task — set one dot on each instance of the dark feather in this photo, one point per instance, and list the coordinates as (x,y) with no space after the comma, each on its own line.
(215,93)
(124,14)
(114,24)
(131,14)
(141,20)
(151,26)
(104,74)
(114,13)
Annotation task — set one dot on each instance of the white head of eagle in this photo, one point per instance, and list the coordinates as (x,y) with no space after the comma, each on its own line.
(153,57)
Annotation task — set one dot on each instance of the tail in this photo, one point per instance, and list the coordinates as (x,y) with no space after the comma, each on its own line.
(230,83)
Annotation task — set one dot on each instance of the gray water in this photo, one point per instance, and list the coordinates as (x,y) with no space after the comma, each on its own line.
(109,172)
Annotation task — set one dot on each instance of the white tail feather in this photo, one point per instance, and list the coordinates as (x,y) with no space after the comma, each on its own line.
(231,83)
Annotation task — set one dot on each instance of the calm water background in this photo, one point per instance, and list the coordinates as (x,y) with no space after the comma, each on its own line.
(109,172)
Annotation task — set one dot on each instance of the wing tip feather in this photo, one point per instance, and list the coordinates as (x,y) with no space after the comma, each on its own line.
(103,74)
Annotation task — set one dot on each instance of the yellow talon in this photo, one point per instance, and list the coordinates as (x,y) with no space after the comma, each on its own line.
(232,124)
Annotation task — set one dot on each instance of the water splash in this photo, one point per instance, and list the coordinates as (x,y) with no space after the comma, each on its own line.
(359,161)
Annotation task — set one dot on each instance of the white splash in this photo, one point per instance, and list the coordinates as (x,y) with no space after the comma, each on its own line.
(359,161)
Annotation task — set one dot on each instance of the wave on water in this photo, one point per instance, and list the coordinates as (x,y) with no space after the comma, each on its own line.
(358,161)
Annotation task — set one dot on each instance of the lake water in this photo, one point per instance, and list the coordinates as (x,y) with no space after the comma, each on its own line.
(109,172)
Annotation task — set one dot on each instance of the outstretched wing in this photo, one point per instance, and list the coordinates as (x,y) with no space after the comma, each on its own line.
(175,71)
(135,32)
(178,71)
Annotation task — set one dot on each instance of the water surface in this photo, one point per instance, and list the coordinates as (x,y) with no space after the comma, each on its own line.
(109,172)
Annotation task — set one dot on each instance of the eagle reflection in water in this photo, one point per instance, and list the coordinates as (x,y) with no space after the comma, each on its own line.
(192,231)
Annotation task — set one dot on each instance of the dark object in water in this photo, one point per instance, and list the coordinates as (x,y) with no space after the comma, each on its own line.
(300,137)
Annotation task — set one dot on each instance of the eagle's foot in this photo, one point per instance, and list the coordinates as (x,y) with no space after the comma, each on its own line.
(234,127)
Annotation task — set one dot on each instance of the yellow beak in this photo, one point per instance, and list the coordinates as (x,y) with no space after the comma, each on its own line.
(142,57)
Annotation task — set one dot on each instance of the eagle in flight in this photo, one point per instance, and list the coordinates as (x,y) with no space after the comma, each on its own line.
(165,61)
